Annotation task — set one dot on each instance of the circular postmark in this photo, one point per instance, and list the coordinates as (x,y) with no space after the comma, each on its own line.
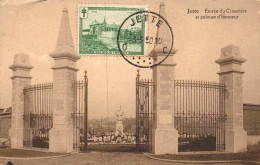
(141,36)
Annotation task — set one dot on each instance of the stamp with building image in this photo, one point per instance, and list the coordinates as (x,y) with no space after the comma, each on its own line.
(98,27)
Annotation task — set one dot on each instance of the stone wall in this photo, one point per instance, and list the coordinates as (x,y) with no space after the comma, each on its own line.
(5,123)
(252,123)
(252,119)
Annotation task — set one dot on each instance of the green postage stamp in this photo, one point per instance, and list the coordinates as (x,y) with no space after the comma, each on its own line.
(98,27)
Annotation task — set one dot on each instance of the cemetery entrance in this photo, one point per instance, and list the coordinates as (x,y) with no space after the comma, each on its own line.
(199,117)
(114,133)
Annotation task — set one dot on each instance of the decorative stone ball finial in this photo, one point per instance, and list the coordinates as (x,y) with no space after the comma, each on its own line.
(21,59)
(230,51)
(230,54)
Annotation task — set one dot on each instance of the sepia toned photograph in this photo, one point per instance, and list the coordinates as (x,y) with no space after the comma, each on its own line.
(124,82)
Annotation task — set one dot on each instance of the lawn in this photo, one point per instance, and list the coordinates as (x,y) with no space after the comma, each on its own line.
(253,154)
(25,153)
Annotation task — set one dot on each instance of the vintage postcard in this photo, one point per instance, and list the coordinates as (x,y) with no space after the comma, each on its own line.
(129,82)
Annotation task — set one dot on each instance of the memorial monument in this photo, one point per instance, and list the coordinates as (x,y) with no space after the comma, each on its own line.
(119,123)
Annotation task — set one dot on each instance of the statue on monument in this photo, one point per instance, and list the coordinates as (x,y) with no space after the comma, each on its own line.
(119,123)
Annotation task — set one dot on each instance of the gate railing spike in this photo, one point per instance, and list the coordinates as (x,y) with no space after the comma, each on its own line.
(85,76)
(138,74)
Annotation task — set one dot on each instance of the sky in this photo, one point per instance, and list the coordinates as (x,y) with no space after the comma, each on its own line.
(32,28)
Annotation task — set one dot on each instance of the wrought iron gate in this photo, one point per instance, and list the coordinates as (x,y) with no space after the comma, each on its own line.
(38,115)
(144,113)
(80,114)
(199,115)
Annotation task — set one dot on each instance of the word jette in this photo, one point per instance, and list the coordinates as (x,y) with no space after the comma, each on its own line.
(139,18)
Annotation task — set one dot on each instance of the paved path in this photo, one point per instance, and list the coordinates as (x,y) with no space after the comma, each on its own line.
(95,158)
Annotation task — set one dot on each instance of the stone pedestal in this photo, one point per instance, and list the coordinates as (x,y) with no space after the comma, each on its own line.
(64,75)
(165,136)
(165,141)
(231,74)
(21,78)
(119,128)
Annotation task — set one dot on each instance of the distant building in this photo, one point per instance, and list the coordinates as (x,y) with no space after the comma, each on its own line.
(104,32)
(97,28)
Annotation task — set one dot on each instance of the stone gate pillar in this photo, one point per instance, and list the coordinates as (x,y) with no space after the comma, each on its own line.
(21,78)
(64,74)
(231,74)
(164,134)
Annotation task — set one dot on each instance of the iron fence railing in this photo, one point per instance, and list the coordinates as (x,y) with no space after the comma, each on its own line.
(144,113)
(38,116)
(80,114)
(199,113)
